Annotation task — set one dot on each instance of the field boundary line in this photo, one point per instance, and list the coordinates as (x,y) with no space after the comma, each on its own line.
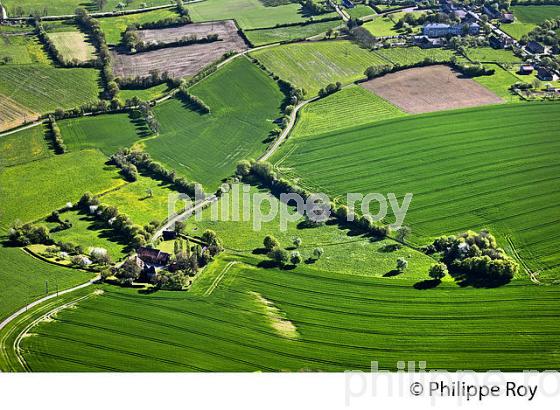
(532,275)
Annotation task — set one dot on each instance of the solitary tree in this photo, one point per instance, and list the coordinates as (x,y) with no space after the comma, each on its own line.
(270,242)
(297,242)
(318,252)
(280,256)
(295,258)
(437,271)
(403,232)
(402,264)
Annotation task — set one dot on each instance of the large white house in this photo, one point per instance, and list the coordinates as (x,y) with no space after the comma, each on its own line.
(442,30)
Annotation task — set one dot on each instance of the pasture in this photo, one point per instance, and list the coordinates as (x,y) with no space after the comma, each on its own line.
(18,8)
(491,167)
(490,55)
(42,88)
(249,14)
(409,56)
(432,88)
(108,133)
(23,277)
(22,50)
(23,146)
(381,26)
(346,251)
(341,323)
(72,45)
(259,37)
(500,82)
(31,191)
(146,94)
(113,27)
(243,102)
(528,17)
(360,10)
(346,108)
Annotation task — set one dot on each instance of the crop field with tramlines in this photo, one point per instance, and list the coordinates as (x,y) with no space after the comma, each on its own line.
(346,108)
(492,167)
(243,101)
(73,45)
(42,88)
(259,37)
(490,55)
(410,56)
(232,327)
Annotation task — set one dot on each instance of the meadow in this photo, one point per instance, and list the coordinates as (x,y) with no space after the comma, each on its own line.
(349,107)
(381,26)
(147,94)
(360,10)
(67,7)
(226,324)
(24,146)
(312,66)
(108,133)
(492,167)
(346,251)
(500,82)
(73,45)
(528,17)
(23,277)
(244,101)
(33,190)
(490,55)
(263,36)
(249,14)
(113,27)
(22,50)
(43,89)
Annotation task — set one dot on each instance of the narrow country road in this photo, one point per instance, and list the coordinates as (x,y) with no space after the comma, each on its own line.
(24,309)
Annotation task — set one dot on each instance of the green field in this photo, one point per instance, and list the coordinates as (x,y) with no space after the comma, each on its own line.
(345,251)
(66,7)
(249,13)
(528,17)
(346,108)
(72,45)
(31,191)
(490,55)
(274,35)
(23,277)
(113,27)
(381,26)
(22,50)
(341,323)
(108,133)
(492,167)
(360,10)
(134,200)
(244,102)
(147,94)
(499,82)
(23,146)
(314,65)
(87,233)
(42,88)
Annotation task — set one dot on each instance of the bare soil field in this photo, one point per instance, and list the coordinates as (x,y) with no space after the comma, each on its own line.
(13,114)
(226,30)
(427,89)
(179,61)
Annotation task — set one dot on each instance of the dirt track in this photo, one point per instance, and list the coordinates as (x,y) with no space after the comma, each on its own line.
(179,61)
(427,89)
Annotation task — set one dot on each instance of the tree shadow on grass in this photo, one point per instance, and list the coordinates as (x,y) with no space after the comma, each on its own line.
(392,273)
(426,284)
(464,280)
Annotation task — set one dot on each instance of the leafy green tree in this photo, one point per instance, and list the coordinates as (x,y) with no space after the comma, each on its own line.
(270,242)
(318,252)
(280,256)
(403,232)
(296,258)
(297,242)
(438,271)
(402,264)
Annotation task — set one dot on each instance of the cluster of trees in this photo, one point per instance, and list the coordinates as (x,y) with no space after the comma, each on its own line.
(110,216)
(471,69)
(149,117)
(27,234)
(56,136)
(475,255)
(377,70)
(145,163)
(62,224)
(316,7)
(330,89)
(155,77)
(363,37)
(128,169)
(546,32)
(197,102)
(282,257)
(93,28)
(264,173)
(134,44)
(311,20)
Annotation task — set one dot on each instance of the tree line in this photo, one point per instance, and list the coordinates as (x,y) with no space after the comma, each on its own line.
(56,136)
(197,102)
(54,52)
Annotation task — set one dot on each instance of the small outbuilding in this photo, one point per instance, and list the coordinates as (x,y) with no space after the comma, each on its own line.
(544,74)
(534,47)
(526,69)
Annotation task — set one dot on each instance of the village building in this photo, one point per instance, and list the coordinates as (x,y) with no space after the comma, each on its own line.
(534,47)
(492,12)
(426,42)
(507,18)
(544,74)
(348,4)
(153,256)
(443,30)
(526,69)
(169,235)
